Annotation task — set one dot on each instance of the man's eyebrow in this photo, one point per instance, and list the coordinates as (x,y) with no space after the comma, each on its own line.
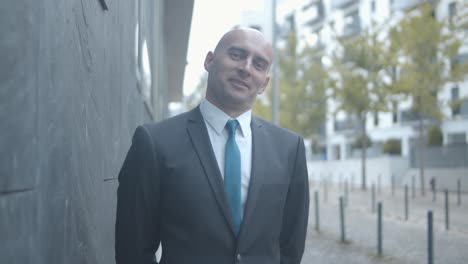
(262,60)
(245,51)
(237,49)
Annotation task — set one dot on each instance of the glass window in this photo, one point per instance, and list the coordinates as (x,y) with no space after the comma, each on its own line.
(454,98)
(452,11)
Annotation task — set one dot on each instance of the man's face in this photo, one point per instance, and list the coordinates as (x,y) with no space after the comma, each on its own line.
(238,70)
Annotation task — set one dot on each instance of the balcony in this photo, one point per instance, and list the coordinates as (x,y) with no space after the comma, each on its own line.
(347,125)
(404,5)
(341,4)
(314,13)
(411,118)
(352,24)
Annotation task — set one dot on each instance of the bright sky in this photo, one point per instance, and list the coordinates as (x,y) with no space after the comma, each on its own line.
(211,19)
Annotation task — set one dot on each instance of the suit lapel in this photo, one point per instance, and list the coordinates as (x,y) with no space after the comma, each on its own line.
(201,142)
(257,174)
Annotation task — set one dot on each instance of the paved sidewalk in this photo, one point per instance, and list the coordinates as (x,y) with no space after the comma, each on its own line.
(403,241)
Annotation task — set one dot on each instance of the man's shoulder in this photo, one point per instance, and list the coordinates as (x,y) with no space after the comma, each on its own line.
(171,126)
(274,129)
(174,122)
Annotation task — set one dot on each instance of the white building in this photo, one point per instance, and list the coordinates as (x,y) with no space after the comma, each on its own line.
(318,20)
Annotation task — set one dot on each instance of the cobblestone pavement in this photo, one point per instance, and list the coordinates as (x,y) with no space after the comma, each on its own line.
(403,241)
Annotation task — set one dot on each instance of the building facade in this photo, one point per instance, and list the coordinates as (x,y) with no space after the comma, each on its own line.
(318,22)
(76,78)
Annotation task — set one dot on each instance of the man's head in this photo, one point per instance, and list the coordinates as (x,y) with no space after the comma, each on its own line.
(238,70)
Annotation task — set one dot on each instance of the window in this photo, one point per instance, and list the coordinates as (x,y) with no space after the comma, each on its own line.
(373,6)
(376,118)
(452,11)
(456,138)
(143,61)
(394,112)
(454,99)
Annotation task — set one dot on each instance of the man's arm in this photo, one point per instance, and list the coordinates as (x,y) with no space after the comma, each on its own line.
(296,211)
(138,196)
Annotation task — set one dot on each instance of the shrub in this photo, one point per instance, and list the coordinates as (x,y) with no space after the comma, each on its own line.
(392,147)
(357,144)
(434,136)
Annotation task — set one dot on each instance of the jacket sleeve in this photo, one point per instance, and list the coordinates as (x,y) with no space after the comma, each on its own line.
(138,201)
(296,211)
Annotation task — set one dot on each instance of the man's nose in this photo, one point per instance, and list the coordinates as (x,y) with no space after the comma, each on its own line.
(245,67)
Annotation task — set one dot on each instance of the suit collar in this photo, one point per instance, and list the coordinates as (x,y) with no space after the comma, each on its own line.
(201,143)
(259,144)
(200,140)
(217,119)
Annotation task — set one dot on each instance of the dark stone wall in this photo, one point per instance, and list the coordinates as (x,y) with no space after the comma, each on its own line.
(68,108)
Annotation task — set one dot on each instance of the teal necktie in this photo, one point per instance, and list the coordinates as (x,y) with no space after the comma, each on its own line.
(232,173)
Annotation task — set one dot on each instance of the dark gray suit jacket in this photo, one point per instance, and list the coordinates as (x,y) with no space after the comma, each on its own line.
(171,192)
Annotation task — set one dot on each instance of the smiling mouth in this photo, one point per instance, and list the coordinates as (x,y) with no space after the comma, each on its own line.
(239,83)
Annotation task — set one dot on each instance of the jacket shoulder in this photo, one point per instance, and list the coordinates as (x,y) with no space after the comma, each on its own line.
(171,123)
(276,130)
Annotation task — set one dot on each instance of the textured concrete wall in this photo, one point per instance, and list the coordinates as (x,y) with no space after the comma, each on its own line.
(68,107)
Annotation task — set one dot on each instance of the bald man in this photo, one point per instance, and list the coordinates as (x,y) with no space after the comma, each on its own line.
(216,184)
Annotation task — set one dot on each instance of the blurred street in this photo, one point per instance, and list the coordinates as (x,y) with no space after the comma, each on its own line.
(403,241)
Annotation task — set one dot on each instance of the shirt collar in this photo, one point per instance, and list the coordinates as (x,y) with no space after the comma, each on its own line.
(217,119)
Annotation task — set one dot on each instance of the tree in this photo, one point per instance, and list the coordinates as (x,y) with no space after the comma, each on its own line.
(302,87)
(359,89)
(427,62)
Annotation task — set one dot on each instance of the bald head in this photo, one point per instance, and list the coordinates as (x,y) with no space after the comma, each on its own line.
(238,70)
(254,35)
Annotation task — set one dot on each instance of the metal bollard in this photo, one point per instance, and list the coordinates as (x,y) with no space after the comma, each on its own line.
(393,183)
(346,193)
(413,187)
(325,191)
(340,182)
(406,202)
(446,210)
(317,216)
(458,192)
(379,229)
(373,198)
(342,220)
(379,184)
(430,238)
(352,182)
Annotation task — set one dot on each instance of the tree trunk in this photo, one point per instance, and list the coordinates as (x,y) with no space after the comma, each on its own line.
(421,150)
(363,152)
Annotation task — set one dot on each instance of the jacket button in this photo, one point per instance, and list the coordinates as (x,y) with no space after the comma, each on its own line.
(238,257)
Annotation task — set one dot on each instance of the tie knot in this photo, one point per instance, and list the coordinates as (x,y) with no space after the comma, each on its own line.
(231,126)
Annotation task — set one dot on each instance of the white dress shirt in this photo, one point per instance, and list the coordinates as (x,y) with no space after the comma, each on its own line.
(215,120)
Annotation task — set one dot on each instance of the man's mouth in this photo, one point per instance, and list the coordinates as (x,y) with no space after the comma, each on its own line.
(239,83)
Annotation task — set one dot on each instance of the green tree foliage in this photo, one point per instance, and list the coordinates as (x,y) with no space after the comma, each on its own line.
(427,60)
(392,146)
(434,136)
(359,89)
(302,85)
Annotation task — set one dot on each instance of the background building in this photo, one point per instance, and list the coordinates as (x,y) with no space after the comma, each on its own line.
(318,23)
(76,78)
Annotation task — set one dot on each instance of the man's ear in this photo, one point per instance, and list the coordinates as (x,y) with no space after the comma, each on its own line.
(208,60)
(263,88)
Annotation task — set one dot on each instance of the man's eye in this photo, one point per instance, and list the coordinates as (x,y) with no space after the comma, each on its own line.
(235,55)
(259,66)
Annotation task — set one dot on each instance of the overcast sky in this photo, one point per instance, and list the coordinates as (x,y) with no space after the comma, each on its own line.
(211,19)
